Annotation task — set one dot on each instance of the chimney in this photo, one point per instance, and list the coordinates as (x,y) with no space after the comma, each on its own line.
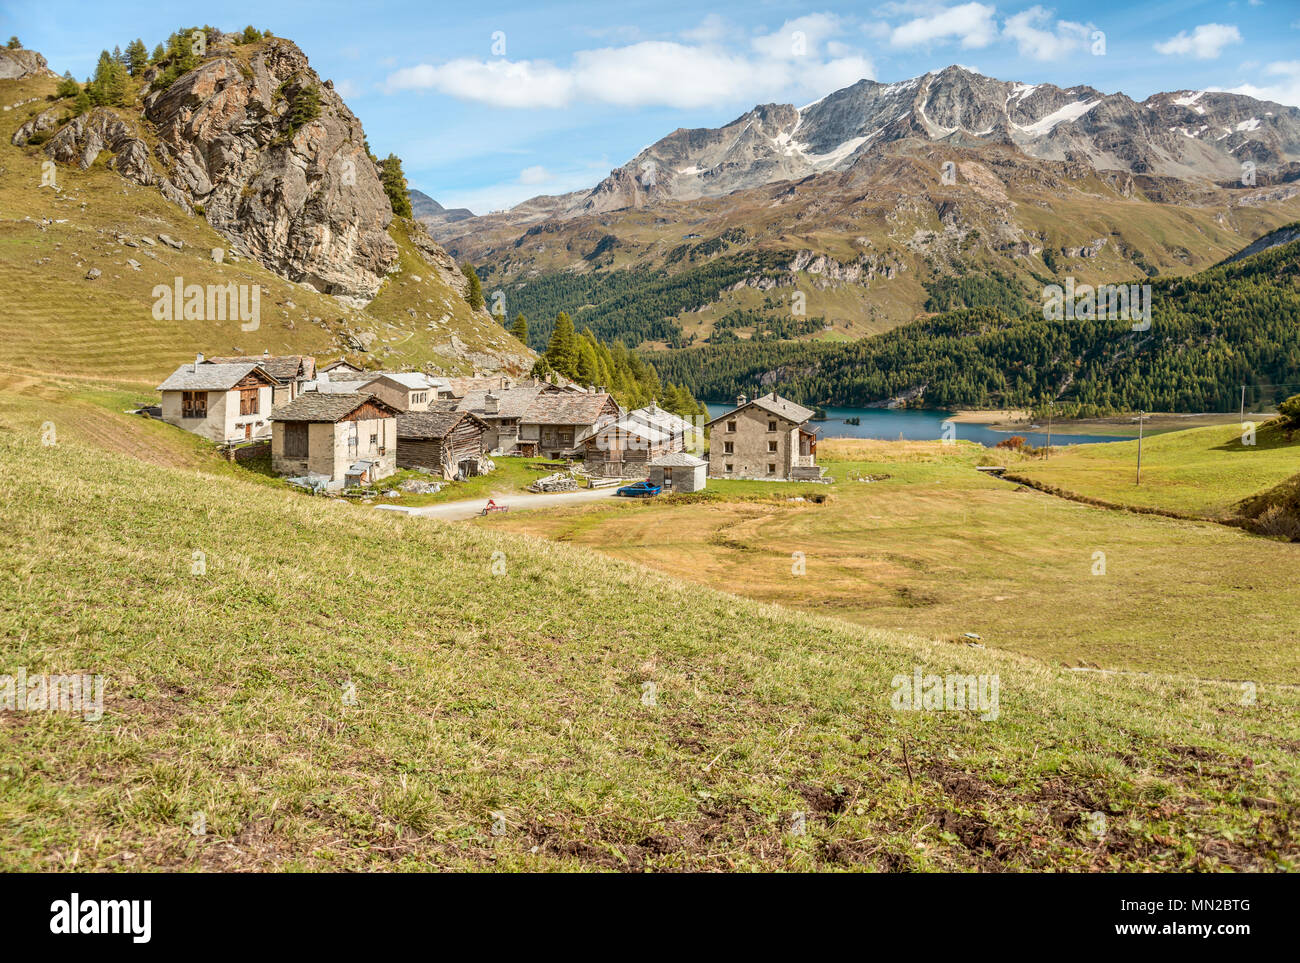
(491,404)
(741,401)
(507,384)
(198,360)
(266,352)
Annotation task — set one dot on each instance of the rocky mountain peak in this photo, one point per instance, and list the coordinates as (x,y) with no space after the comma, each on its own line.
(21,64)
(1188,134)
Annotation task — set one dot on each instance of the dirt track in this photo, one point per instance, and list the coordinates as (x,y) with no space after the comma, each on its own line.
(470,507)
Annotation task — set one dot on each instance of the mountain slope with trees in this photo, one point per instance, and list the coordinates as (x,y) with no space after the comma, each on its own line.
(1210,334)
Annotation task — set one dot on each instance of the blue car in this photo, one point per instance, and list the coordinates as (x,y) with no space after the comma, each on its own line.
(639,490)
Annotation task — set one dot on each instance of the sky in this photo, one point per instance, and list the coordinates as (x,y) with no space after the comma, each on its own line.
(489,103)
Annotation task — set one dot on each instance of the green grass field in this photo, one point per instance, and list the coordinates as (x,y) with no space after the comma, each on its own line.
(340,688)
(1201,471)
(939,549)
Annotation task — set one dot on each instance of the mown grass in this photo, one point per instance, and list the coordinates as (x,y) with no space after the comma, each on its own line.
(1200,471)
(572,711)
(940,549)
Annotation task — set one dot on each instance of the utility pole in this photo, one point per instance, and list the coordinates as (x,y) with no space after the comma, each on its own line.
(1243,404)
(1051,407)
(1141,415)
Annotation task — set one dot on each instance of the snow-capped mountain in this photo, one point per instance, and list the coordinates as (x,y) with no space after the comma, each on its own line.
(1185,134)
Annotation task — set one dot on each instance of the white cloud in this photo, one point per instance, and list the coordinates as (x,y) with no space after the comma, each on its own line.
(1025,28)
(346,89)
(1206,42)
(712,29)
(800,37)
(971,23)
(661,73)
(1286,90)
(504,195)
(537,174)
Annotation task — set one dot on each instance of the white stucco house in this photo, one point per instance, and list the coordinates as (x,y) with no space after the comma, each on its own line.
(224,403)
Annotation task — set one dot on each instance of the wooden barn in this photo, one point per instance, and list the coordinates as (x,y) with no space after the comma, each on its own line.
(448,442)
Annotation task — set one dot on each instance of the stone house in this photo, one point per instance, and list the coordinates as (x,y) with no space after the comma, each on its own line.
(405,390)
(341,370)
(554,422)
(625,447)
(225,403)
(502,409)
(341,438)
(293,371)
(444,440)
(766,438)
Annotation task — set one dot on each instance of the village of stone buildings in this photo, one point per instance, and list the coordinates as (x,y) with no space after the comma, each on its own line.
(338,428)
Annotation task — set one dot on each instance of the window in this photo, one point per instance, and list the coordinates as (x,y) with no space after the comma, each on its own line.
(374,442)
(771,446)
(731,425)
(728,469)
(295,439)
(419,398)
(728,447)
(771,425)
(248,398)
(194,404)
(771,469)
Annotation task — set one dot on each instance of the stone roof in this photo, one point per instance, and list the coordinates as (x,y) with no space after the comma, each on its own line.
(678,459)
(511,402)
(432,424)
(461,387)
(774,405)
(412,380)
(652,414)
(318,406)
(341,363)
(566,408)
(282,367)
(208,377)
(339,387)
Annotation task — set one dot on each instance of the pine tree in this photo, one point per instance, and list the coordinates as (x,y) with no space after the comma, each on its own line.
(562,351)
(394,181)
(473,293)
(14,44)
(520,328)
(158,53)
(68,86)
(588,371)
(137,57)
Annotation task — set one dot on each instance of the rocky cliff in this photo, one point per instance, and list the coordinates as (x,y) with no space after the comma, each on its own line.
(21,64)
(268,152)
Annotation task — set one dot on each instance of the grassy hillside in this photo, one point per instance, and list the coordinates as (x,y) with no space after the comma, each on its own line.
(571,712)
(57,320)
(934,547)
(1203,471)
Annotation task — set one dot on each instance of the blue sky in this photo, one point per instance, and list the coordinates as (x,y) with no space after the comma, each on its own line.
(493,102)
